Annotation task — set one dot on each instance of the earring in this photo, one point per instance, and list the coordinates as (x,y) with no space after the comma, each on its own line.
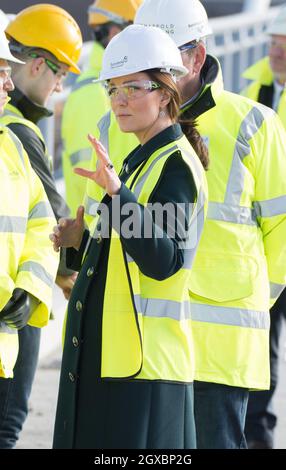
(162,113)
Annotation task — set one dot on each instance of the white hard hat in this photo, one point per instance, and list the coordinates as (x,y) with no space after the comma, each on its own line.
(278,25)
(136,49)
(4,44)
(183,20)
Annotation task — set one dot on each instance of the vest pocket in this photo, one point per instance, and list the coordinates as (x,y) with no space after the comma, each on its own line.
(223,277)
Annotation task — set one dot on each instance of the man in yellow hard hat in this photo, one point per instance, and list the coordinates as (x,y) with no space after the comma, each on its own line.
(88,101)
(268,86)
(28,265)
(49,41)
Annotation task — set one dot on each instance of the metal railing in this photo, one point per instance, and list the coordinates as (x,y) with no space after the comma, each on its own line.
(238,41)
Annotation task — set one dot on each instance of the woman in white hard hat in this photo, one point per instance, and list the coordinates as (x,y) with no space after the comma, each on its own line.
(127,370)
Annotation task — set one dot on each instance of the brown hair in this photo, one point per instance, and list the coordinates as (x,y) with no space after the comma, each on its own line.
(188,125)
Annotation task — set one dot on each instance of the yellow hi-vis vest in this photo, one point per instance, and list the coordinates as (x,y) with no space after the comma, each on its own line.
(84,107)
(241,260)
(28,260)
(261,74)
(118,145)
(146,331)
(12,115)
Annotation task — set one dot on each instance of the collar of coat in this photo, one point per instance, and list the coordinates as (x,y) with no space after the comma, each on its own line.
(30,110)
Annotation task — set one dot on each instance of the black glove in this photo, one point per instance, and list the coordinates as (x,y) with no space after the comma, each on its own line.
(16,312)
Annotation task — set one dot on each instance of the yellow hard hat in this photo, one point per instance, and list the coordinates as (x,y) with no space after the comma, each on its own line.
(51,28)
(117,11)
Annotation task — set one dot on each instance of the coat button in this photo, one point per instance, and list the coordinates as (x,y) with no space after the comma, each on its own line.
(71,377)
(99,239)
(75,341)
(90,271)
(78,306)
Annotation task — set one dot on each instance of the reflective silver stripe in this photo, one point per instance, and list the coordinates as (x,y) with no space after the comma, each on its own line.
(270,207)
(41,210)
(233,214)
(249,126)
(18,145)
(12,224)
(162,308)
(103,126)
(230,316)
(82,83)
(141,181)
(129,259)
(10,113)
(6,329)
(37,270)
(111,16)
(82,155)
(276,289)
(91,206)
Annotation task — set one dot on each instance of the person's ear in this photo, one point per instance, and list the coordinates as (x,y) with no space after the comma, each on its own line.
(199,57)
(37,65)
(165,99)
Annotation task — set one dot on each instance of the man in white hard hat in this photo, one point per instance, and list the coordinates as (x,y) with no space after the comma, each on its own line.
(240,267)
(268,86)
(28,264)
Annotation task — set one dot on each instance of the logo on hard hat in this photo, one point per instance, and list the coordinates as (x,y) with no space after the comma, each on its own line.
(119,63)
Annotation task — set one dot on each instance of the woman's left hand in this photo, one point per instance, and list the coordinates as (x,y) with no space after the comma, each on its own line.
(105,175)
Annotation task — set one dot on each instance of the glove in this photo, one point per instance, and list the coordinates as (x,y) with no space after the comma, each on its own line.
(17,312)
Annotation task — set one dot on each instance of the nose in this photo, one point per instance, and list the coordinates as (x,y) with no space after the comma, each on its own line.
(59,86)
(8,84)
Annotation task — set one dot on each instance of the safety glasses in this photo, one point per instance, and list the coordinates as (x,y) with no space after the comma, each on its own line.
(189,46)
(131,90)
(55,68)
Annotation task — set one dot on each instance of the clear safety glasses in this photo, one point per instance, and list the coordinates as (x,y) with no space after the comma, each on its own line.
(55,68)
(131,90)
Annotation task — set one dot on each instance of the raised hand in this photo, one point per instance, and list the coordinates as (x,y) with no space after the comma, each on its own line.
(68,233)
(104,175)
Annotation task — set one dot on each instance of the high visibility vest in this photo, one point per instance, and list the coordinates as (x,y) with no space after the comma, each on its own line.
(146,330)
(240,267)
(261,75)
(84,107)
(12,115)
(118,145)
(28,260)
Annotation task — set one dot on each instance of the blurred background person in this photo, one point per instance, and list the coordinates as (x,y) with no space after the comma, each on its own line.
(88,101)
(268,86)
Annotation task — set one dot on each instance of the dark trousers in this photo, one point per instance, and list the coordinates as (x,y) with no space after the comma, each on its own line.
(15,393)
(220,416)
(261,419)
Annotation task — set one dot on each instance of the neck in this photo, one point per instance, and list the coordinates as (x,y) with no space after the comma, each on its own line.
(146,134)
(191,88)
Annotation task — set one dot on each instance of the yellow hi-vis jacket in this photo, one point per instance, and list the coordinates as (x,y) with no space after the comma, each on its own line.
(240,267)
(12,115)
(146,330)
(84,107)
(28,260)
(262,75)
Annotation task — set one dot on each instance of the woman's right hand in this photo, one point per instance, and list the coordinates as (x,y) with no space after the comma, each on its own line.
(68,233)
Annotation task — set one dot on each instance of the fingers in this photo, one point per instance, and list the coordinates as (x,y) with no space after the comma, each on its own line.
(85,173)
(100,149)
(80,214)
